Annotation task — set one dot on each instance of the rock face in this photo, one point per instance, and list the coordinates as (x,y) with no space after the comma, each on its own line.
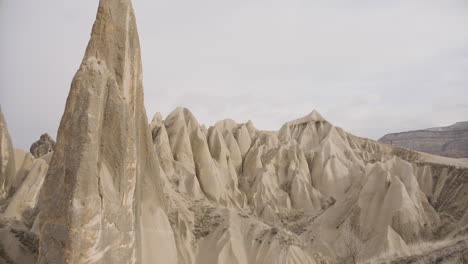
(299,194)
(102,200)
(119,190)
(7,159)
(25,197)
(450,141)
(20,184)
(43,146)
(312,182)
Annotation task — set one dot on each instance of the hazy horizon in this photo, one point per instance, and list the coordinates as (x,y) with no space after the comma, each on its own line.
(371,68)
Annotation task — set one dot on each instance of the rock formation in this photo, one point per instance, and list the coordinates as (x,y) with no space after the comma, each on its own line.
(21,179)
(7,159)
(119,190)
(43,146)
(102,200)
(313,183)
(450,141)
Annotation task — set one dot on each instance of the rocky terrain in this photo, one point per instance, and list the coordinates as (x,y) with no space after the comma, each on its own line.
(120,189)
(43,146)
(450,141)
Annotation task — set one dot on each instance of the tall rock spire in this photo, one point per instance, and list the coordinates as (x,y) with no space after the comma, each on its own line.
(102,200)
(7,159)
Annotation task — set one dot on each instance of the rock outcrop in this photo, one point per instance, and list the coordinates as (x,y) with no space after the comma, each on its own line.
(21,180)
(7,159)
(102,201)
(43,146)
(450,141)
(311,182)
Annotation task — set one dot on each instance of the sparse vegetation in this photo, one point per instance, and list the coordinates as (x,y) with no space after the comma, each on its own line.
(205,220)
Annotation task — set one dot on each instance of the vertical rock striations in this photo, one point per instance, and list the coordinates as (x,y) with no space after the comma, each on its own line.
(101,201)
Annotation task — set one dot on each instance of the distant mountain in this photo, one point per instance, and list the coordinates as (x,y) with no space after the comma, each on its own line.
(450,141)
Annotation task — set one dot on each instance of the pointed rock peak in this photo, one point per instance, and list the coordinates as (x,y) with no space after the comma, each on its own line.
(314,116)
(250,125)
(203,129)
(104,168)
(181,113)
(157,118)
(157,121)
(227,124)
(7,158)
(114,42)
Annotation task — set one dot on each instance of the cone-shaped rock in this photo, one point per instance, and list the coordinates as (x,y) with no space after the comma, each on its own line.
(7,158)
(102,201)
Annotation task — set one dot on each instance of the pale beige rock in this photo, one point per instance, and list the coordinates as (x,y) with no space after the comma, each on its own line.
(180,126)
(20,156)
(305,182)
(17,245)
(102,199)
(243,139)
(203,166)
(240,240)
(24,163)
(309,167)
(294,196)
(26,196)
(7,159)
(47,157)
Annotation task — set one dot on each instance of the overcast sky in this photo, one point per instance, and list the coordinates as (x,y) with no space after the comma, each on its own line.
(371,67)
